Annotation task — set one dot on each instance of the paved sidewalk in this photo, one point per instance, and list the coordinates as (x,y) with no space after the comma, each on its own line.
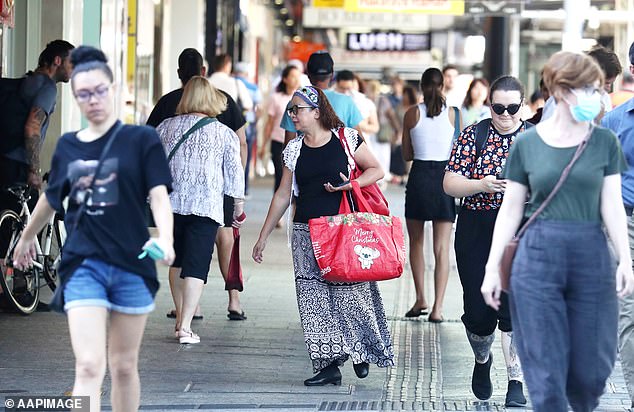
(260,363)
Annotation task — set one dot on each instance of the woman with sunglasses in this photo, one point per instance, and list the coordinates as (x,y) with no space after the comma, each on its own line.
(340,320)
(106,287)
(564,284)
(473,173)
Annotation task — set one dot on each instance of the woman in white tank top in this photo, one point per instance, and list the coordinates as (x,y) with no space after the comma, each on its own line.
(428,134)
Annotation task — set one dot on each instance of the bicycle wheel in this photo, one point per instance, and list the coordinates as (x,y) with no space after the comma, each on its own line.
(19,288)
(51,261)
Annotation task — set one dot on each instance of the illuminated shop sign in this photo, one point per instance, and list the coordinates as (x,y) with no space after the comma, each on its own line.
(388,41)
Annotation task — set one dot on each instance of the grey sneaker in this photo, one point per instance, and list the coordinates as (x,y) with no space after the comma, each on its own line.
(515,394)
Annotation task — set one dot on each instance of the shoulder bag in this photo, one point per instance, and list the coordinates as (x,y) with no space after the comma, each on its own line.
(506,263)
(199,124)
(371,193)
(57,302)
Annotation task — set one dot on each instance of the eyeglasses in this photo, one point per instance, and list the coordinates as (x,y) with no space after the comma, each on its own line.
(294,109)
(100,92)
(500,108)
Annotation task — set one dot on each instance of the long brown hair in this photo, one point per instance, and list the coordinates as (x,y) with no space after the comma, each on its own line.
(431,83)
(328,119)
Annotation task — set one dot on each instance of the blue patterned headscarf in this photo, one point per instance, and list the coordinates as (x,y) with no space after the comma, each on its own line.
(309,95)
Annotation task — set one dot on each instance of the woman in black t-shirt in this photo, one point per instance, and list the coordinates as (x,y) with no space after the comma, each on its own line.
(340,321)
(105,284)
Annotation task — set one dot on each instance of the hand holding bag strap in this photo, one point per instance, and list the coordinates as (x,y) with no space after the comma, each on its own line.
(200,123)
(102,158)
(560,182)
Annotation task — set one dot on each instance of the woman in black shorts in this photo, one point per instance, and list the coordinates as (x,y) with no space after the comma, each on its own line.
(205,166)
(428,133)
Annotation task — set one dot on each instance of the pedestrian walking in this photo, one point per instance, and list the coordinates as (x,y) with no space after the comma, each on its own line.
(107,291)
(475,106)
(204,159)
(25,112)
(428,134)
(190,64)
(276,109)
(563,290)
(340,320)
(621,121)
(477,160)
(398,166)
(320,69)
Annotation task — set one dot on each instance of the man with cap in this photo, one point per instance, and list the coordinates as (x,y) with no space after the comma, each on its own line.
(320,69)
(621,121)
(190,64)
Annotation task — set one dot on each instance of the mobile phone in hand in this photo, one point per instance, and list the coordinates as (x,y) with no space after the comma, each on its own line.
(341,184)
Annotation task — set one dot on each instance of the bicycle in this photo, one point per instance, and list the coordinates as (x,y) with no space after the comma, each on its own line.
(21,289)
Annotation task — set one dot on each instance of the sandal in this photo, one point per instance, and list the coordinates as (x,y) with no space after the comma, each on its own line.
(189,337)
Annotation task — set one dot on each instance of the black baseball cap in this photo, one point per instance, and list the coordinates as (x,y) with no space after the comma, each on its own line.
(320,63)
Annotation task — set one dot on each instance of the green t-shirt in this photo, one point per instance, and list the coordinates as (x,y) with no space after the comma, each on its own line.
(537,165)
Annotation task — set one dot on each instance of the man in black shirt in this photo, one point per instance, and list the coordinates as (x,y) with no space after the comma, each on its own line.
(190,64)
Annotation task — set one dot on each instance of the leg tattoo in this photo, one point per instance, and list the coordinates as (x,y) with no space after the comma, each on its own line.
(481,346)
(513,366)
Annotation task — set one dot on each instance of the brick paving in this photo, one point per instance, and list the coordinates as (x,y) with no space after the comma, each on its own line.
(260,363)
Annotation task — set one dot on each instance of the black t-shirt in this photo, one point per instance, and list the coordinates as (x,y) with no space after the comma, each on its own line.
(316,166)
(113,227)
(166,108)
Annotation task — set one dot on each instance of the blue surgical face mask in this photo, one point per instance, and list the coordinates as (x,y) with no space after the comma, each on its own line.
(588,104)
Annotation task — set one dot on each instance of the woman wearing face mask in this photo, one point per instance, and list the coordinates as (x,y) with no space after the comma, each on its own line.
(107,290)
(563,285)
(472,173)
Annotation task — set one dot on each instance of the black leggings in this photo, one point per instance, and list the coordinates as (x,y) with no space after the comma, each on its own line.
(474,233)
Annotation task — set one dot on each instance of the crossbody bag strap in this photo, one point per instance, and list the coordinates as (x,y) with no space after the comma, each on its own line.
(352,164)
(200,123)
(102,158)
(456,123)
(560,182)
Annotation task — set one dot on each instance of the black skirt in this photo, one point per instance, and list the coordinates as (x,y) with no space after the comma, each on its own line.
(425,198)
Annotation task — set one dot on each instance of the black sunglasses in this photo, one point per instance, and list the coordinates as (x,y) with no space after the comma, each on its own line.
(500,108)
(294,109)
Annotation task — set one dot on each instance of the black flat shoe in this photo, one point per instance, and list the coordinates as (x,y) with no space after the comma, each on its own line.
(361,369)
(327,376)
(414,313)
(481,384)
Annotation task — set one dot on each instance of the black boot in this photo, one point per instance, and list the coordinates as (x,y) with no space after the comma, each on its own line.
(328,375)
(361,369)
(481,384)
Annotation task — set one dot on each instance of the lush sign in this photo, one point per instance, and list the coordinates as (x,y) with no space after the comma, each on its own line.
(388,41)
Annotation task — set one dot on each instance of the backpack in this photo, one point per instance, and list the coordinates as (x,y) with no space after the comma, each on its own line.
(14,110)
(482,133)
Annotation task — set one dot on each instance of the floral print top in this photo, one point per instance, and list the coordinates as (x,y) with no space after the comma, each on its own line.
(491,162)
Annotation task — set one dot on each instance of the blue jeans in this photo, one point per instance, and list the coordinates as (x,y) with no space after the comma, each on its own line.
(97,283)
(564,309)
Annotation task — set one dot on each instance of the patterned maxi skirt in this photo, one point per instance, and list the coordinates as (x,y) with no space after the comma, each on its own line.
(340,320)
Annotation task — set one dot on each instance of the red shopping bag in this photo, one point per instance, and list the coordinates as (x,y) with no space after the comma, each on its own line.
(234,277)
(371,193)
(360,246)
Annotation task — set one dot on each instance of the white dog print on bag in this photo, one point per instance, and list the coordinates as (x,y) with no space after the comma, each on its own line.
(366,255)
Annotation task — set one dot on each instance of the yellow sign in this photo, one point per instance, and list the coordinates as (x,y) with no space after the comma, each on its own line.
(132,40)
(451,7)
(328,3)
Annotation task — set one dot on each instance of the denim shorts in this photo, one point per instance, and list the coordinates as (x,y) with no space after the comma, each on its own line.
(96,283)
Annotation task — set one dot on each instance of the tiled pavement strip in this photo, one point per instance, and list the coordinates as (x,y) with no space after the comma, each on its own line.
(259,364)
